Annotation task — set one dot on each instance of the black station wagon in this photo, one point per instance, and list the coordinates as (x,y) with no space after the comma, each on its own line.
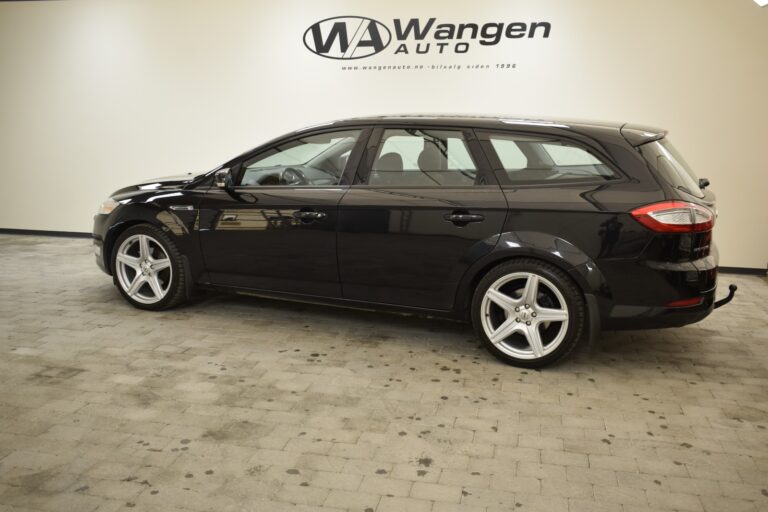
(541,232)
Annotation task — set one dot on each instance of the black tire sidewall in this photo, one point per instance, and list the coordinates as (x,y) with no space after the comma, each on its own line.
(177,268)
(573,301)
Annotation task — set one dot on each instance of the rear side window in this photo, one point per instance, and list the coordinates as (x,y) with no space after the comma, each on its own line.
(529,160)
(414,157)
(665,159)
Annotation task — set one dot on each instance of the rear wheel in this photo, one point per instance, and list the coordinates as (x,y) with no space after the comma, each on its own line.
(528,313)
(148,268)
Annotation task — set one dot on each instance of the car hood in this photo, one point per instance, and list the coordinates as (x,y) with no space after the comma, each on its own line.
(167,182)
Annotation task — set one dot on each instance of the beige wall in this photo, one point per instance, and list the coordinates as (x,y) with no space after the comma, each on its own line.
(95,95)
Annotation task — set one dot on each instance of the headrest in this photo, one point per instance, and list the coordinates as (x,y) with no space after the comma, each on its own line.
(389,162)
(430,158)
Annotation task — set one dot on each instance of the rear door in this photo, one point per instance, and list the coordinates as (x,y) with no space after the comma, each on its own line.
(423,207)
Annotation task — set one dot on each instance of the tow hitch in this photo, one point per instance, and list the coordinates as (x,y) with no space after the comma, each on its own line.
(731,292)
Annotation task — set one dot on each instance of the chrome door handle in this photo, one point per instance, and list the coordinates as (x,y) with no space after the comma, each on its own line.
(464,218)
(309,215)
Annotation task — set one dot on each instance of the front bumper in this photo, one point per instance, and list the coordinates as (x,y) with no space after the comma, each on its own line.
(99,227)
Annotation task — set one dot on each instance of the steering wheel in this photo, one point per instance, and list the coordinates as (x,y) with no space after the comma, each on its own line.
(291,176)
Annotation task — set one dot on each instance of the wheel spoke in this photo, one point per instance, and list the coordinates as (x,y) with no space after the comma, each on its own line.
(144,251)
(131,261)
(523,315)
(506,329)
(534,340)
(139,280)
(551,315)
(158,265)
(502,300)
(147,258)
(154,283)
(531,290)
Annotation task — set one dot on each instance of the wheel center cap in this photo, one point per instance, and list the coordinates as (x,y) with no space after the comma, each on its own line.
(146,267)
(525,316)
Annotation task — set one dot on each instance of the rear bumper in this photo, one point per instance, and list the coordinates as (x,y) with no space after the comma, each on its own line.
(655,286)
(656,317)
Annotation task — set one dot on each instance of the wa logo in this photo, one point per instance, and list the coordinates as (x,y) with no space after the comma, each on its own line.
(347,37)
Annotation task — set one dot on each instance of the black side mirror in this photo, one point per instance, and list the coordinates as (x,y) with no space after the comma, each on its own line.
(703,183)
(223,179)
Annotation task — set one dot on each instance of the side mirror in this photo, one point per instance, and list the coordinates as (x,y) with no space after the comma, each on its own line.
(223,179)
(703,183)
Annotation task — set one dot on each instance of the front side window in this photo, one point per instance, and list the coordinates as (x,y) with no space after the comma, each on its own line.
(416,157)
(314,160)
(532,160)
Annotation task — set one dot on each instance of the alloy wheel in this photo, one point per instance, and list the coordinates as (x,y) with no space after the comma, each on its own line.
(524,315)
(143,269)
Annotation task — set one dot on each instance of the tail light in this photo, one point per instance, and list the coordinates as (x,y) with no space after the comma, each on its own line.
(675,217)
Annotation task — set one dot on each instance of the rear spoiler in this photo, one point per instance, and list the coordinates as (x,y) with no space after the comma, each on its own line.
(638,135)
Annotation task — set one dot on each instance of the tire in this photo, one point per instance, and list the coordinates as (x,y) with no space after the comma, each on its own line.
(155,282)
(507,320)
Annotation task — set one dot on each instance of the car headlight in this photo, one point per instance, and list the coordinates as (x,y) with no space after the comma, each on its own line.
(107,206)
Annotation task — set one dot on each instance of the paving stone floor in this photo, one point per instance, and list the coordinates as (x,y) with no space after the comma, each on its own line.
(243,404)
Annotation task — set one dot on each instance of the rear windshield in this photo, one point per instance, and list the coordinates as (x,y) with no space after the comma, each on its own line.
(665,159)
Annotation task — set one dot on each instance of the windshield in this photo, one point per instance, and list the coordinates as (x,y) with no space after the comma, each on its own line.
(666,160)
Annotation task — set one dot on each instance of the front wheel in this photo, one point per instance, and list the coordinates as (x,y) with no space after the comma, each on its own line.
(528,313)
(148,268)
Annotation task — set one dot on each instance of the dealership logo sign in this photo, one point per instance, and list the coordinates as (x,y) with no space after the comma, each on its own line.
(357,37)
(347,37)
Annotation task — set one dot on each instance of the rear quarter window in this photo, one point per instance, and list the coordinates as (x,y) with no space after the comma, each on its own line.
(529,160)
(564,155)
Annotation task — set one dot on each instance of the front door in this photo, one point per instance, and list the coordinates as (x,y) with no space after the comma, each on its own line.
(424,208)
(276,230)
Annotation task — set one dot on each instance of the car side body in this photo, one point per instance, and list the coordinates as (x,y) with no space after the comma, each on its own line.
(417,247)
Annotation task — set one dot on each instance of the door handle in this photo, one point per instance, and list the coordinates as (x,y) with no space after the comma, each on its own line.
(308,215)
(464,218)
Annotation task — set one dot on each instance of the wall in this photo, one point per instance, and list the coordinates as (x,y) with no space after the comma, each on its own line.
(95,95)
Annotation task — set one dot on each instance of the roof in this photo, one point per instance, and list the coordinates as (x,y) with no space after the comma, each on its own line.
(635,134)
(485,119)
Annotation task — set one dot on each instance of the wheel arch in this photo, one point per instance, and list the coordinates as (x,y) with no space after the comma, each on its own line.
(111,237)
(533,245)
(137,214)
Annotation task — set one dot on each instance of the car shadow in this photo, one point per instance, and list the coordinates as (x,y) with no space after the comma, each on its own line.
(641,348)
(379,324)
(660,349)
